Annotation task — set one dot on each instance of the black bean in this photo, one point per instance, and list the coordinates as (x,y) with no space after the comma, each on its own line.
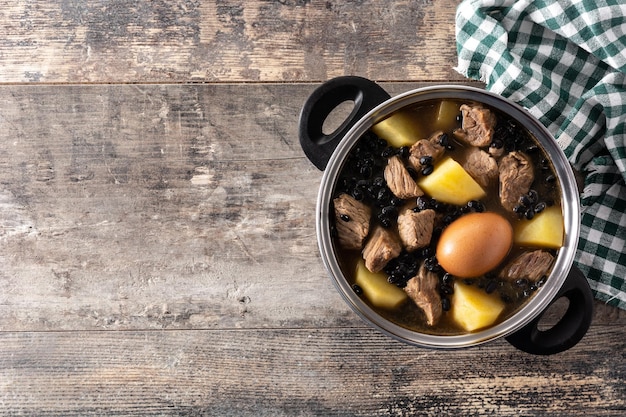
(497,144)
(444,140)
(438,206)
(445,304)
(412,172)
(447,278)
(469,281)
(357,194)
(426,160)
(404,152)
(524,200)
(530,213)
(450,147)
(476,205)
(423,202)
(542,281)
(357,290)
(427,170)
(431,264)
(533,196)
(379,181)
(366,171)
(397,202)
(539,207)
(344,217)
(521,282)
(491,286)
(550,179)
(389,211)
(383,194)
(388,152)
(446,290)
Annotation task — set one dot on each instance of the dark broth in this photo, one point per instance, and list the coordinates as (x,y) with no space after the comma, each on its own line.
(359,174)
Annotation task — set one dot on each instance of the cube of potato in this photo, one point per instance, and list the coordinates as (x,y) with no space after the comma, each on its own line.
(446,116)
(377,290)
(545,230)
(472,308)
(450,183)
(400,129)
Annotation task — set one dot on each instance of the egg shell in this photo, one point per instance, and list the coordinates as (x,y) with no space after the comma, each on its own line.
(474,244)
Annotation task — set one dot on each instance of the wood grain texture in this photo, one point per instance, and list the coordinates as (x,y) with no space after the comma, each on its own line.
(121,41)
(304,372)
(157,235)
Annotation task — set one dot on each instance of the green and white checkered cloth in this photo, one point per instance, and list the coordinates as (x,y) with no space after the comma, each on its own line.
(565,61)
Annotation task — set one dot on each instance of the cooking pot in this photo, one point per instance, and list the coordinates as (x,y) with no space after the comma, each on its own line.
(372,104)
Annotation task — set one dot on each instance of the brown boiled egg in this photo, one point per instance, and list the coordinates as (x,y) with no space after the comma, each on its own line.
(474,244)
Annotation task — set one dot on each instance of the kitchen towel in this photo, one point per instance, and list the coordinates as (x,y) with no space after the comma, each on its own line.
(565,61)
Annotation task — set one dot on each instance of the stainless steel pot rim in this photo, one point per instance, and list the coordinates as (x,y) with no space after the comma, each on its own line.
(570,202)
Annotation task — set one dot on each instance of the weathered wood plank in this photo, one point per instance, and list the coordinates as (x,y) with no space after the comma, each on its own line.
(140,207)
(128,41)
(274,372)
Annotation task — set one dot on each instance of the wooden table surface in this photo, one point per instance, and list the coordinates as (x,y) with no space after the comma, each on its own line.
(157,230)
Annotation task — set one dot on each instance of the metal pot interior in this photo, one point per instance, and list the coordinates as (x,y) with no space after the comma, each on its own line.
(570,206)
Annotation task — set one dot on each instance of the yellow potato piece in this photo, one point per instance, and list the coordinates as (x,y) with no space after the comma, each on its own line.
(377,290)
(446,115)
(450,183)
(544,230)
(400,129)
(472,308)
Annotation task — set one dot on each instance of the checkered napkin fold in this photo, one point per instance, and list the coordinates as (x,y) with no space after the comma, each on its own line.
(565,61)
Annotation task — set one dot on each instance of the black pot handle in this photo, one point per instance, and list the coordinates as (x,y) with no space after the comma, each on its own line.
(366,95)
(569,330)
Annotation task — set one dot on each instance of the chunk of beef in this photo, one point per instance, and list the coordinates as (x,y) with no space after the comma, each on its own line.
(416,229)
(529,265)
(478,125)
(399,180)
(422,289)
(352,219)
(426,147)
(382,246)
(516,177)
(481,166)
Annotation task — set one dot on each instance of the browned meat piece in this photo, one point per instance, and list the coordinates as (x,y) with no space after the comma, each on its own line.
(516,177)
(352,219)
(477,127)
(482,167)
(416,229)
(399,180)
(426,147)
(380,248)
(422,289)
(529,265)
